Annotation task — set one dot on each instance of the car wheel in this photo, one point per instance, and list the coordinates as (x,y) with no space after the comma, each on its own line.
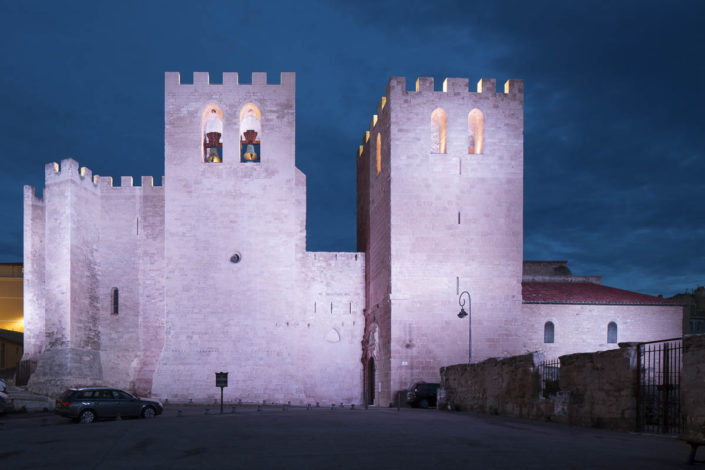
(149,413)
(423,404)
(87,416)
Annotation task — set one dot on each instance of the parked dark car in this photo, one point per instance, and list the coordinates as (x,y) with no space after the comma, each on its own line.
(91,403)
(422,395)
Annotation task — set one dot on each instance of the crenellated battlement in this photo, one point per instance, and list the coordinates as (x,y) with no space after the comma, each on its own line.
(201,80)
(397,85)
(30,195)
(70,169)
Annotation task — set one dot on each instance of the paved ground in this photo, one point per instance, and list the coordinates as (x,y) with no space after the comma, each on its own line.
(325,438)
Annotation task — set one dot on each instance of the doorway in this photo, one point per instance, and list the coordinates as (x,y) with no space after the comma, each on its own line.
(370,392)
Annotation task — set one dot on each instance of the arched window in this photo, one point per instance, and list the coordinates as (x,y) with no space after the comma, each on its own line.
(379,153)
(115,307)
(212,132)
(476,131)
(612,332)
(438,131)
(548,332)
(250,133)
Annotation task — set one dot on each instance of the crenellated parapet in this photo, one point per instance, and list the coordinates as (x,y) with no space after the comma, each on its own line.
(69,169)
(456,86)
(201,81)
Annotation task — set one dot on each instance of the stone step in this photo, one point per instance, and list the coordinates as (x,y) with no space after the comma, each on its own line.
(31,402)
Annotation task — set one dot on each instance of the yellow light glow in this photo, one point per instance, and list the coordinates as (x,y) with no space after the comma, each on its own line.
(367,136)
(382,102)
(379,153)
(359,151)
(374,120)
(438,131)
(476,131)
(13,325)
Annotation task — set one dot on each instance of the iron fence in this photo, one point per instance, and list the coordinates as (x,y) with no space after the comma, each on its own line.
(549,372)
(658,386)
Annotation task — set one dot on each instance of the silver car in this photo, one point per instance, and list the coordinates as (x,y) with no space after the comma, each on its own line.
(91,403)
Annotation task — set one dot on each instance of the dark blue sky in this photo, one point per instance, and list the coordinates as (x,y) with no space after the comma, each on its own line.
(614,128)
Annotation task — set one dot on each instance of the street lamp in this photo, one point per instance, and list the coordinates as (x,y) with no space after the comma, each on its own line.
(464,314)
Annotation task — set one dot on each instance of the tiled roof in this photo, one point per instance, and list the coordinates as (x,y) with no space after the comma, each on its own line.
(12,336)
(585,293)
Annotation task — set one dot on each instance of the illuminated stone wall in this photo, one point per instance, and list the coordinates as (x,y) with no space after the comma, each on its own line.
(266,319)
(286,323)
(439,224)
(579,328)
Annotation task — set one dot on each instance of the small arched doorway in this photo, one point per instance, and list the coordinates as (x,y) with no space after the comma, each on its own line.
(370,393)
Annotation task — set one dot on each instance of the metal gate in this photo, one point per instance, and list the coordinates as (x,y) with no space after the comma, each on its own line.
(658,392)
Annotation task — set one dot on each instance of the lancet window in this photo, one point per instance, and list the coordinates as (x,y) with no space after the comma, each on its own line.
(438,131)
(548,332)
(212,131)
(476,131)
(379,153)
(250,133)
(612,332)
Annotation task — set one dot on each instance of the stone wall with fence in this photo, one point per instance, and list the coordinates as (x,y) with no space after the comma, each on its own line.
(630,388)
(693,386)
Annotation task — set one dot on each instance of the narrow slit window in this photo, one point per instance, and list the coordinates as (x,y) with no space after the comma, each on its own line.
(115,301)
(212,131)
(612,332)
(548,332)
(476,131)
(438,131)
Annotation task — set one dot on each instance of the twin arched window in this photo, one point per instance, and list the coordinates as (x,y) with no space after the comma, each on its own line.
(249,133)
(549,332)
(476,129)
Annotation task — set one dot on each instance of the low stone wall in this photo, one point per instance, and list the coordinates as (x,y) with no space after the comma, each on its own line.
(509,386)
(693,385)
(598,389)
(601,387)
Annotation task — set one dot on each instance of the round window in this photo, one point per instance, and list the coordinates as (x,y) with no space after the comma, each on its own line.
(236,258)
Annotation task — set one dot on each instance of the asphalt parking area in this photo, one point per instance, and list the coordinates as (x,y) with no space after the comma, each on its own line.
(325,438)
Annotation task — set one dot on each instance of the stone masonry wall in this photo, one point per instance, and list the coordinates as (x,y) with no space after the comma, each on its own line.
(693,385)
(600,388)
(456,225)
(508,386)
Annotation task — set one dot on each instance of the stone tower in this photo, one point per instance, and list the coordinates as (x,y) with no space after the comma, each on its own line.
(440,201)
(241,292)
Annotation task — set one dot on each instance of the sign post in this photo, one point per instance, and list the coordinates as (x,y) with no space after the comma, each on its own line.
(221,380)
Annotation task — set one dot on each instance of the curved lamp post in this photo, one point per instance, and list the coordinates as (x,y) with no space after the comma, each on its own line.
(464,314)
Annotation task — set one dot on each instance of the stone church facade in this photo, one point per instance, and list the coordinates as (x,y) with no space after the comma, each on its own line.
(154,288)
